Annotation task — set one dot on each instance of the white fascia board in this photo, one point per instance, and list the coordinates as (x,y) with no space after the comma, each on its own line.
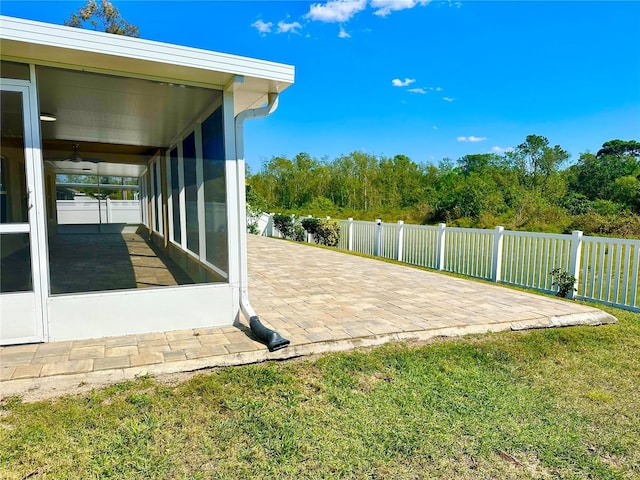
(43,41)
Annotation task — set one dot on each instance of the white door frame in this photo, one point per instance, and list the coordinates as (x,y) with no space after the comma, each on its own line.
(30,304)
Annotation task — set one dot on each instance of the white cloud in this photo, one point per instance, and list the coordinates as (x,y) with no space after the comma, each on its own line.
(497,149)
(471,139)
(385,7)
(292,27)
(343,33)
(396,82)
(335,10)
(421,91)
(448,99)
(262,26)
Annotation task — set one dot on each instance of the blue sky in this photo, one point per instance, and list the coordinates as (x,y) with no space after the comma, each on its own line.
(425,79)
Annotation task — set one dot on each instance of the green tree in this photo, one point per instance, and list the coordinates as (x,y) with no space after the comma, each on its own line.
(478,162)
(400,182)
(536,161)
(612,174)
(102,16)
(619,148)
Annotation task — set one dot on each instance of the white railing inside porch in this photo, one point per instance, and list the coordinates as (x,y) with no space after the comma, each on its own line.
(606,269)
(92,211)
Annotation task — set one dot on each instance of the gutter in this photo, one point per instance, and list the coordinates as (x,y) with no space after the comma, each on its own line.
(271,338)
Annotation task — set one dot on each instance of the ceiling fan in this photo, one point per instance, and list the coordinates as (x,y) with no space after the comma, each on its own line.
(75,156)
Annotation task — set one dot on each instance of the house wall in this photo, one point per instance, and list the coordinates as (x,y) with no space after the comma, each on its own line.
(101,314)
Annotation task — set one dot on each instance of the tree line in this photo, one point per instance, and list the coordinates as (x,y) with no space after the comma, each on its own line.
(529,188)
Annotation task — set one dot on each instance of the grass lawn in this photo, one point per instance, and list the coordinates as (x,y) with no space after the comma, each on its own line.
(560,403)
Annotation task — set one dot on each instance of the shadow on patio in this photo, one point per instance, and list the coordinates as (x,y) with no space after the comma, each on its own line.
(90,262)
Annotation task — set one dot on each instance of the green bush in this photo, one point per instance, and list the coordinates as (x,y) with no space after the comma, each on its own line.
(324,231)
(284,224)
(311,225)
(299,233)
(328,233)
(564,281)
(625,225)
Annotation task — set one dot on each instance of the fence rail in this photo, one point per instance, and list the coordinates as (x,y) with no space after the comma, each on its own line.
(606,269)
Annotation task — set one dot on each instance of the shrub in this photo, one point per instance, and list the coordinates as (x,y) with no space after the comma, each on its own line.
(564,281)
(299,233)
(328,233)
(592,223)
(325,232)
(284,224)
(311,225)
(252,228)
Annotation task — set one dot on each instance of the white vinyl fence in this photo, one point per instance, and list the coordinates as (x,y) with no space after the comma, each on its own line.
(606,269)
(92,211)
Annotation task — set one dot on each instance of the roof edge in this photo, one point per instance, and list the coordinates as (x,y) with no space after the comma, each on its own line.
(101,43)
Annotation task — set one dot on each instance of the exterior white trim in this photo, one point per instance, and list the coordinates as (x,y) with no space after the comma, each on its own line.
(158,186)
(29,304)
(182,199)
(202,231)
(49,41)
(235,254)
(41,240)
(167,161)
(6,228)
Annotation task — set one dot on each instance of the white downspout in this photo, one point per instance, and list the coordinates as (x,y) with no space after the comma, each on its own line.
(273,339)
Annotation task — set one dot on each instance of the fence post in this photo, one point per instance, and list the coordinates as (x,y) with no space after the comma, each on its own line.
(377,238)
(440,258)
(308,234)
(496,264)
(574,259)
(269,228)
(108,210)
(350,234)
(399,240)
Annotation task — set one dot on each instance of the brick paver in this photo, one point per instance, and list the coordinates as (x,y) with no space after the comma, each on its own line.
(321,300)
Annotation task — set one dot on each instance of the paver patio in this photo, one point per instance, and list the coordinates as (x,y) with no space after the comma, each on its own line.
(321,300)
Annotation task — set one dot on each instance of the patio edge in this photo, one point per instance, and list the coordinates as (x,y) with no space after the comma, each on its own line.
(41,388)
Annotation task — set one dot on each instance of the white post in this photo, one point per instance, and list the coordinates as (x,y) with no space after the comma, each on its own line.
(574,259)
(440,258)
(268,230)
(377,238)
(293,222)
(496,264)
(308,234)
(350,234)
(399,239)
(108,210)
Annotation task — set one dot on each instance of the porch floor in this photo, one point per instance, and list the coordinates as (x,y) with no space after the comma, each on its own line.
(321,300)
(91,262)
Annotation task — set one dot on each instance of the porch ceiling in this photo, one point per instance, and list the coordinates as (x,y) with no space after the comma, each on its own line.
(98,108)
(118,123)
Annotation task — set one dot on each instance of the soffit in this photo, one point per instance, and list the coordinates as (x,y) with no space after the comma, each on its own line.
(106,109)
